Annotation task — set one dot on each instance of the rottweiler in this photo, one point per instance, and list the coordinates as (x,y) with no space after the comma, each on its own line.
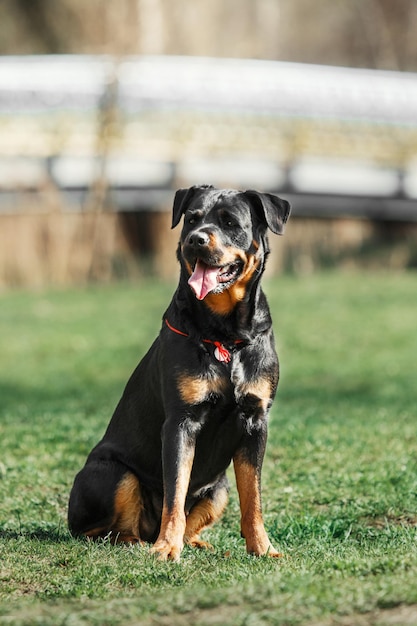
(200,397)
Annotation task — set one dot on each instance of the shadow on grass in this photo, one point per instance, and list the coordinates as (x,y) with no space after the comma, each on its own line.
(332,393)
(25,400)
(49,533)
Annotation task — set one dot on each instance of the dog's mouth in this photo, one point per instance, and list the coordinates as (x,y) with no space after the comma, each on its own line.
(213,278)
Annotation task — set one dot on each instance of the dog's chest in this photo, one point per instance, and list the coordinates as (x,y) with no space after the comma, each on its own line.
(225,387)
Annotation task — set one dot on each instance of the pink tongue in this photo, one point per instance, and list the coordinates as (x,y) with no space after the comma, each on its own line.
(203,279)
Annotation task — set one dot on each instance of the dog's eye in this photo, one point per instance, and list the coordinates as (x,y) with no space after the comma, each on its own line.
(228,222)
(193,218)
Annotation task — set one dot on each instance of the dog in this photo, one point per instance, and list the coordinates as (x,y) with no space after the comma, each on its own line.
(200,397)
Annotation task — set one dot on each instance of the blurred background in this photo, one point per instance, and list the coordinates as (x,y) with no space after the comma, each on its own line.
(106,108)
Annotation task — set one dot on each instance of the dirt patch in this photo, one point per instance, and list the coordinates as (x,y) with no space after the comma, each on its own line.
(391,520)
(402,615)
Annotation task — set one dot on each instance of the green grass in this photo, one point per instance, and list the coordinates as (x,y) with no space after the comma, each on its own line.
(339,481)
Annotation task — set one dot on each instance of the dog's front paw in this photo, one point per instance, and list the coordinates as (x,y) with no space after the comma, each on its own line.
(258,544)
(196,542)
(274,553)
(166,551)
(262,550)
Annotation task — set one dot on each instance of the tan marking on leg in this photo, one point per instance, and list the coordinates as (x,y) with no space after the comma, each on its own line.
(124,527)
(253,530)
(170,541)
(202,515)
(127,509)
(96,533)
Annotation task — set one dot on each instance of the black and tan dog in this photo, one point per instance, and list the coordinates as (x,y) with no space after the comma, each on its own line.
(200,397)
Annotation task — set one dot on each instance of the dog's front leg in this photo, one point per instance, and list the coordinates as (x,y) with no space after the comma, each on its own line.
(178,449)
(247,465)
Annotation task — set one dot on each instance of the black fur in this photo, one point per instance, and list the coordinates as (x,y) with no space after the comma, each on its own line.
(181,400)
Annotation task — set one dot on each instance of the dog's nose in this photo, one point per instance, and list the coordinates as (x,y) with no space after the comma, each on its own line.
(199,239)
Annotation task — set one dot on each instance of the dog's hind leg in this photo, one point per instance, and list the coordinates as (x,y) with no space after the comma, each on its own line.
(106,501)
(127,510)
(203,514)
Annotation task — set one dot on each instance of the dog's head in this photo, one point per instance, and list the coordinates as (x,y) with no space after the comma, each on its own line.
(223,242)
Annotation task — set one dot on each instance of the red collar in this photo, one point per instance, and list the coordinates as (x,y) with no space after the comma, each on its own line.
(221,353)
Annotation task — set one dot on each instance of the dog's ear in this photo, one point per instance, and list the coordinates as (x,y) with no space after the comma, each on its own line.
(182,199)
(275,210)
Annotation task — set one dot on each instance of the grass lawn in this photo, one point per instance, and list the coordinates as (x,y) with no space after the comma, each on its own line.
(339,481)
